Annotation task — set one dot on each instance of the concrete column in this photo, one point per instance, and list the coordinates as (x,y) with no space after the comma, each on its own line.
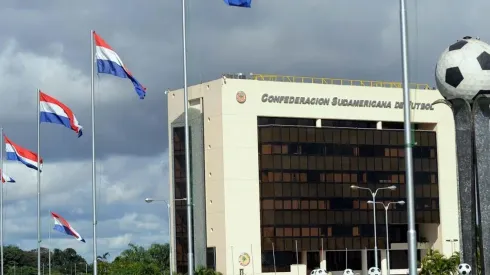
(323,260)
(384,263)
(379,125)
(364,262)
(304,257)
(318,123)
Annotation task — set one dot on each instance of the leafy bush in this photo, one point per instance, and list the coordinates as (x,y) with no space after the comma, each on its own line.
(435,263)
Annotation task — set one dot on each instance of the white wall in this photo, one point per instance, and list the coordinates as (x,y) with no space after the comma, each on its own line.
(239,153)
(241,148)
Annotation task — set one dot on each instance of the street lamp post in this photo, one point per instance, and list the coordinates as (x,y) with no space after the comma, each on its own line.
(169,207)
(386,207)
(373,194)
(452,241)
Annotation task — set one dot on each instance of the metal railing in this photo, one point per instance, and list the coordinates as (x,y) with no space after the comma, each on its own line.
(330,81)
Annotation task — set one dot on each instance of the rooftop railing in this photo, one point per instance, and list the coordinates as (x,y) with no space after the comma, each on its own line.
(324,80)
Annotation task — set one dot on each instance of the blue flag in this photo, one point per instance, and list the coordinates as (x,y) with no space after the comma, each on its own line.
(239,3)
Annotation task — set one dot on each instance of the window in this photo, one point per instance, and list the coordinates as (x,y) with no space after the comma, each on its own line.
(266,149)
(211,258)
(355,231)
(306,175)
(179,193)
(348,123)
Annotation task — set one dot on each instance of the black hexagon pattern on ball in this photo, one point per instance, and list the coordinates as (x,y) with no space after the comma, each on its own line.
(484,61)
(458,45)
(454,76)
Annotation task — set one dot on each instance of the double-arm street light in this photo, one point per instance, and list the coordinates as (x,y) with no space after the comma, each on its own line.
(386,207)
(373,194)
(169,207)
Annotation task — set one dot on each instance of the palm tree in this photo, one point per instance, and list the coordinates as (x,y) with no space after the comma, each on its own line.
(102,262)
(135,253)
(104,257)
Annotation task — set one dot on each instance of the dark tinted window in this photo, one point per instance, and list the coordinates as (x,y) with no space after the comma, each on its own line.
(306,197)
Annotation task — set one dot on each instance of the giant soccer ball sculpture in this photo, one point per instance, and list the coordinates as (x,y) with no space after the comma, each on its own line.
(463,69)
(464,269)
(348,271)
(463,78)
(374,271)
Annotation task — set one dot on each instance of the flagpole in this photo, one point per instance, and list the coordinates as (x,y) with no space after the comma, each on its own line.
(1,200)
(190,249)
(49,249)
(94,190)
(411,233)
(38,185)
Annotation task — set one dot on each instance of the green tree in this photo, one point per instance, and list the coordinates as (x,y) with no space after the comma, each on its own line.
(137,260)
(104,257)
(126,267)
(435,263)
(13,256)
(160,255)
(201,270)
(103,263)
(135,253)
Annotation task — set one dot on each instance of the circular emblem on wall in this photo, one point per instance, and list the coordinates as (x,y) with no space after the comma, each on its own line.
(244,259)
(241,97)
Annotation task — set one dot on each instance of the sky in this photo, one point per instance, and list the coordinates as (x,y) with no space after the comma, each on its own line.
(46,45)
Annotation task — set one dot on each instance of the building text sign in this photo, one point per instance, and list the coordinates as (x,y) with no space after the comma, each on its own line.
(343,102)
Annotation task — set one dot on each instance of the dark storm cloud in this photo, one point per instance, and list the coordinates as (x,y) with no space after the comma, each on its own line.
(315,38)
(122,188)
(128,126)
(355,39)
(83,222)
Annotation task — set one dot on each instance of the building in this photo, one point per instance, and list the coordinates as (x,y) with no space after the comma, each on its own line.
(273,160)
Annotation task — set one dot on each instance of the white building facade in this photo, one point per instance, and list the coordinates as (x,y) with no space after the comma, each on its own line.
(252,214)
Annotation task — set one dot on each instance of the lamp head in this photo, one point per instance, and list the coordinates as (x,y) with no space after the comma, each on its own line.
(393,187)
(148,200)
(401,202)
(370,201)
(354,187)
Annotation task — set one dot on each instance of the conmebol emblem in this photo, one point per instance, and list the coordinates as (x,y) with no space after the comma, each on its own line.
(241,97)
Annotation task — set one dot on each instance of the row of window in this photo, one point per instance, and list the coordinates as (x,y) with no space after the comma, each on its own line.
(291,162)
(344,163)
(317,217)
(322,149)
(178,142)
(289,121)
(342,204)
(344,123)
(179,193)
(339,177)
(365,230)
(287,190)
(314,243)
(312,176)
(342,136)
